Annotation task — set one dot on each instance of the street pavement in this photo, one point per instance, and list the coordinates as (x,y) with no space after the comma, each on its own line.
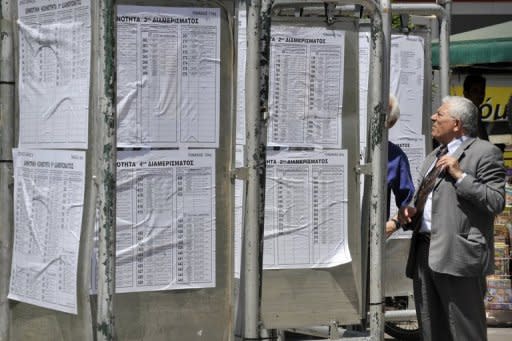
(499,334)
(493,334)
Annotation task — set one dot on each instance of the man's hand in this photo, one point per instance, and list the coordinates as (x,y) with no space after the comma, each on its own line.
(451,165)
(405,214)
(390,227)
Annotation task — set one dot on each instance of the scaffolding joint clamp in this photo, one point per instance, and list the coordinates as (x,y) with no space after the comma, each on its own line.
(330,8)
(365,169)
(266,115)
(334,333)
(240,173)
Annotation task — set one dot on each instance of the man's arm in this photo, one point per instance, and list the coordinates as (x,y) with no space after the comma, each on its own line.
(486,188)
(404,189)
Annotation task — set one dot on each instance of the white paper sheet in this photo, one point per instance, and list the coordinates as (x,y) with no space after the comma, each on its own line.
(407,73)
(239,211)
(414,148)
(240,84)
(165,220)
(306,86)
(54,72)
(364,69)
(48,206)
(168,86)
(306,210)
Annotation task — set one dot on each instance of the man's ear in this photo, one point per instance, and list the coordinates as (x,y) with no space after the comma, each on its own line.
(458,126)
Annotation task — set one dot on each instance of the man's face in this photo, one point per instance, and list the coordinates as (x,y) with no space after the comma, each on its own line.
(476,94)
(444,127)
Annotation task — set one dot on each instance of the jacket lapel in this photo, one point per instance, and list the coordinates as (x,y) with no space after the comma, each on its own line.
(458,154)
(428,162)
(424,169)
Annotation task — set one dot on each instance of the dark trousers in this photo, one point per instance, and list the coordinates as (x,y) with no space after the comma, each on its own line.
(448,307)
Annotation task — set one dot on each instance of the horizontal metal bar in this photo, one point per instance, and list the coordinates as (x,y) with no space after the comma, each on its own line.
(368,4)
(400,315)
(323,331)
(419,9)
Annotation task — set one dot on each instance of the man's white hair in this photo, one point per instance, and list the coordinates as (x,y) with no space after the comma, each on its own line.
(465,111)
(394,111)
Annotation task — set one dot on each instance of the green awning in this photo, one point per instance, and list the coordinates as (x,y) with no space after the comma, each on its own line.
(487,45)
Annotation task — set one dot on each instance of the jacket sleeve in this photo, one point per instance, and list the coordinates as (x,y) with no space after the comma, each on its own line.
(403,189)
(486,188)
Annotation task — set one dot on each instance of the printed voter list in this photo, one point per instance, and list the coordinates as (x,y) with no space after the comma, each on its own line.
(48,206)
(165,220)
(407,70)
(306,210)
(306,86)
(406,83)
(168,68)
(240,83)
(239,211)
(54,72)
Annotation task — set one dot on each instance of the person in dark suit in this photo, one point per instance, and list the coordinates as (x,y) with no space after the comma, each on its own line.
(474,90)
(452,248)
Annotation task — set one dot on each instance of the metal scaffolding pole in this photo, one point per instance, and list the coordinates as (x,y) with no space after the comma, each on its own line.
(444,48)
(7,88)
(255,161)
(378,96)
(106,167)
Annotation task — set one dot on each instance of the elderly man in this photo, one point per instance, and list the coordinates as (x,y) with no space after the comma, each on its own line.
(462,189)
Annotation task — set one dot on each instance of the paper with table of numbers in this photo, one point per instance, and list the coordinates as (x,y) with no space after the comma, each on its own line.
(168,69)
(165,220)
(306,210)
(48,206)
(239,211)
(54,72)
(306,86)
(240,83)
(407,75)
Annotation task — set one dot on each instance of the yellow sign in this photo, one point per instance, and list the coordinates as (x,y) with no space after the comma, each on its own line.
(494,107)
(507,158)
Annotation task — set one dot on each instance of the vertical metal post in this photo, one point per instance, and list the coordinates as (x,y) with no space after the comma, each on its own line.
(106,171)
(427,90)
(258,17)
(254,189)
(7,84)
(444,47)
(378,97)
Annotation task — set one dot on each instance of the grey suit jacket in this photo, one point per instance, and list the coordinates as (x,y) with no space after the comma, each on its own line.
(463,214)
